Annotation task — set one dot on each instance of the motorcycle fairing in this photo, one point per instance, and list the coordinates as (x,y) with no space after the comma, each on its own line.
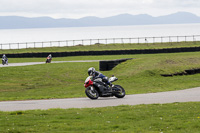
(99,85)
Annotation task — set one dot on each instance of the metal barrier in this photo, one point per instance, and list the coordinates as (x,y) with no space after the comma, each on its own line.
(66,43)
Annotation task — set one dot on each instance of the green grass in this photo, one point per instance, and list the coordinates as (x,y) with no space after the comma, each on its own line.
(156,118)
(101,47)
(65,80)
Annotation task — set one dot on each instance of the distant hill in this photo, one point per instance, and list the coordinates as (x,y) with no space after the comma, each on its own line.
(15,22)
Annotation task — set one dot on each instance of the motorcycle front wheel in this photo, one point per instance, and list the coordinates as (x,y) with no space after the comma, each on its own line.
(91,93)
(121,93)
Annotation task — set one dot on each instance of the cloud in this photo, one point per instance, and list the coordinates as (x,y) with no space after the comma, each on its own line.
(99,8)
(177,3)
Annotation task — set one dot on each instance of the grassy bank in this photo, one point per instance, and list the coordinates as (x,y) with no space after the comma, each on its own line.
(156,118)
(101,47)
(65,80)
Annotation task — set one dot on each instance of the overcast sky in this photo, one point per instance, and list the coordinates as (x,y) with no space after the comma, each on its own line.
(99,8)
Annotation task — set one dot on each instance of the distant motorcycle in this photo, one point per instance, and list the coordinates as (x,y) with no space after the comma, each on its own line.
(96,88)
(4,61)
(48,60)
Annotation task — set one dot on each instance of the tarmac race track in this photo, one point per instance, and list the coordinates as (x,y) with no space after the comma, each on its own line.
(188,95)
(36,63)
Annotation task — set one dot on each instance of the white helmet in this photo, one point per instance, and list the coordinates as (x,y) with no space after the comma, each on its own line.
(91,70)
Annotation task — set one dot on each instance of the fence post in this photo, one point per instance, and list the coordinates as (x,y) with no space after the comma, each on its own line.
(177,39)
(66,43)
(193,39)
(122,40)
(185,38)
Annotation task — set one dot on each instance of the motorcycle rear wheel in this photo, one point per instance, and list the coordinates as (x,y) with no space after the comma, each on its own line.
(91,93)
(121,93)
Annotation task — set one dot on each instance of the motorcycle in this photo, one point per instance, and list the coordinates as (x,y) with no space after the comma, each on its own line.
(48,60)
(96,88)
(4,61)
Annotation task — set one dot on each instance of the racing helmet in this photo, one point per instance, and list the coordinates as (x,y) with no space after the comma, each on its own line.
(91,70)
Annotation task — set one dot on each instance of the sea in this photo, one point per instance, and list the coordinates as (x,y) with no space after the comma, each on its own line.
(11,36)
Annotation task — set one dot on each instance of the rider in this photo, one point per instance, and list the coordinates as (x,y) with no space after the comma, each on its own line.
(4,57)
(50,56)
(96,74)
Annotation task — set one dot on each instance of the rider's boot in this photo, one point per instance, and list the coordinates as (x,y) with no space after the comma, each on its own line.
(109,87)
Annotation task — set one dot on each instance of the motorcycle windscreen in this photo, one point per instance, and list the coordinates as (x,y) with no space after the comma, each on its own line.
(88,78)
